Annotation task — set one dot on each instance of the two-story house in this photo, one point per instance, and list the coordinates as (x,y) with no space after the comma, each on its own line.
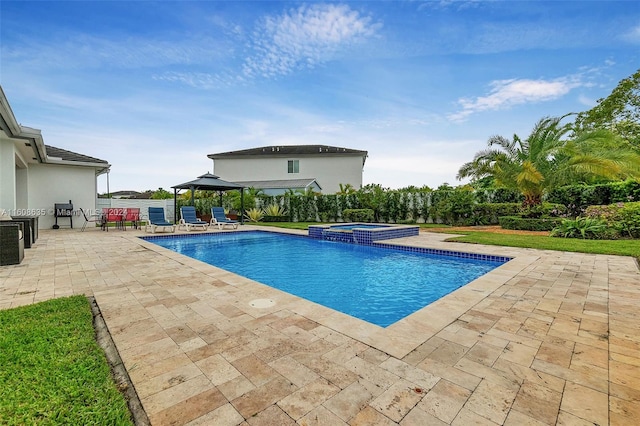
(276,169)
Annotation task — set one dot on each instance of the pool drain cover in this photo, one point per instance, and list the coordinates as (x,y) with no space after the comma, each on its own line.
(262,303)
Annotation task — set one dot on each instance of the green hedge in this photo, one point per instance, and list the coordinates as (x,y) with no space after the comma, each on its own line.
(358,215)
(266,218)
(489,213)
(578,197)
(544,210)
(623,217)
(529,224)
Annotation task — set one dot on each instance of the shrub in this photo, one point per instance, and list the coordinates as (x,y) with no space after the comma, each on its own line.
(608,213)
(275,213)
(267,218)
(622,217)
(488,213)
(358,215)
(529,224)
(453,206)
(254,215)
(581,227)
(578,197)
(544,210)
(629,220)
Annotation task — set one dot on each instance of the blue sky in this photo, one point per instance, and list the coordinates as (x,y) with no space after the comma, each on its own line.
(153,87)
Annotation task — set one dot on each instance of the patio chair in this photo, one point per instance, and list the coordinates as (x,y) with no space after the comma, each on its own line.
(189,220)
(113,215)
(95,218)
(133,216)
(157,220)
(219,219)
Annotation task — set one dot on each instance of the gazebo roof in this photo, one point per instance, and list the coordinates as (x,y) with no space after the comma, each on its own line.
(209,182)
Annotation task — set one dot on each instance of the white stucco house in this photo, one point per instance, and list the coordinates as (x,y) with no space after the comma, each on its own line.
(34,176)
(275,169)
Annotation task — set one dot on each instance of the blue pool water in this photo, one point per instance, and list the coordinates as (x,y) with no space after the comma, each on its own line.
(378,285)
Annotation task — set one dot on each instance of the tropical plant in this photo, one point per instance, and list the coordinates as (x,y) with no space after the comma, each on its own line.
(546,159)
(345,189)
(274,210)
(249,198)
(581,227)
(161,194)
(254,215)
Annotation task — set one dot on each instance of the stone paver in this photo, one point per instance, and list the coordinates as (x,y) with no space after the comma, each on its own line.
(548,338)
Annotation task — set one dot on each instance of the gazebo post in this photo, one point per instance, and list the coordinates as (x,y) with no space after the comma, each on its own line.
(175,203)
(242,206)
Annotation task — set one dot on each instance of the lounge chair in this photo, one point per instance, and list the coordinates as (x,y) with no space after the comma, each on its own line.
(157,221)
(219,219)
(189,220)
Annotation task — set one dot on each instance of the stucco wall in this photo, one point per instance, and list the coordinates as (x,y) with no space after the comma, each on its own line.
(330,171)
(50,184)
(7,173)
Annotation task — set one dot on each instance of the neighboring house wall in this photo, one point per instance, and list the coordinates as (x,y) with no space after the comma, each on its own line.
(329,170)
(50,184)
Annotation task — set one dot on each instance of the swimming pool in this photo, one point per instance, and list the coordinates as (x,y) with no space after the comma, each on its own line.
(376,284)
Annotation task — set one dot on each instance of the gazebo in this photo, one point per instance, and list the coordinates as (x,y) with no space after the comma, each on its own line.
(209,182)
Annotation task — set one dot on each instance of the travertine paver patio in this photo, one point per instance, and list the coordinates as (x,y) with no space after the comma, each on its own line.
(548,338)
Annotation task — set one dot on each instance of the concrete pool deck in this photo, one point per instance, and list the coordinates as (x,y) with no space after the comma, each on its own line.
(548,338)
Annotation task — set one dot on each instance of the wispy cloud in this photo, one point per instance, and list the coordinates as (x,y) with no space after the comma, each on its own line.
(444,4)
(80,51)
(200,80)
(305,37)
(633,35)
(508,93)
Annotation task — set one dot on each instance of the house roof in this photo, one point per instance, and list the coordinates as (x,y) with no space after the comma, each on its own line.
(63,154)
(279,184)
(128,193)
(290,150)
(31,148)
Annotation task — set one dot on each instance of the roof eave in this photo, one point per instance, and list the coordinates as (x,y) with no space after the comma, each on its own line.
(363,154)
(21,132)
(100,167)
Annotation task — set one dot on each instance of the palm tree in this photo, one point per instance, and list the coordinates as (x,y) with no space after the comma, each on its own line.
(346,189)
(546,159)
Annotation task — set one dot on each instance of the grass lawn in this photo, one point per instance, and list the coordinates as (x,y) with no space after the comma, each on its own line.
(52,371)
(616,247)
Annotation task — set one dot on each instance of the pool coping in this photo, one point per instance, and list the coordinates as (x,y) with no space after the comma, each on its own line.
(398,339)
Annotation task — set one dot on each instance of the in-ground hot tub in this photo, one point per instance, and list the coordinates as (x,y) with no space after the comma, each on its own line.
(362,233)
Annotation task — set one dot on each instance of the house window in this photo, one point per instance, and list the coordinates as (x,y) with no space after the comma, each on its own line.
(293,166)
